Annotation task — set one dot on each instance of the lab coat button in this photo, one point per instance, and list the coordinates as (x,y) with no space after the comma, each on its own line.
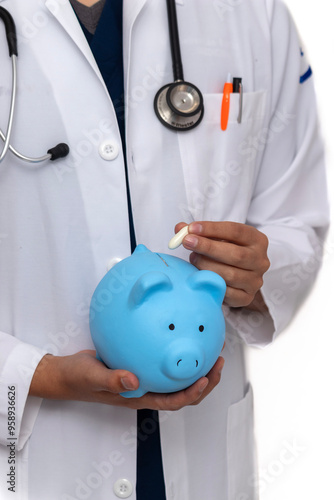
(108,150)
(123,488)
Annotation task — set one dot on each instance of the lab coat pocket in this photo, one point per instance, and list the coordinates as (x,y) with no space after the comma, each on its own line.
(220,166)
(241,453)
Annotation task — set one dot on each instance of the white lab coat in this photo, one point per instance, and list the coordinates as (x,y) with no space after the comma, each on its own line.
(61,223)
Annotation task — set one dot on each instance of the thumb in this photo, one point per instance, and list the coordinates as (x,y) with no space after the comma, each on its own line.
(106,379)
(117,381)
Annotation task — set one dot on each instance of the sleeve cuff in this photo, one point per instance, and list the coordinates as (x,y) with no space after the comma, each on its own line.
(17,373)
(254,328)
(285,287)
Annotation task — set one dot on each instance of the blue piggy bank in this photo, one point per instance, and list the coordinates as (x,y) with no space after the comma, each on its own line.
(160,318)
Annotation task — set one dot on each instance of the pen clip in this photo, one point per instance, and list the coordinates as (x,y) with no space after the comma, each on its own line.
(241,98)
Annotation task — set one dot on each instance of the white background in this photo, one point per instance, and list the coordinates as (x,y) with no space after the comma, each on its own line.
(293,378)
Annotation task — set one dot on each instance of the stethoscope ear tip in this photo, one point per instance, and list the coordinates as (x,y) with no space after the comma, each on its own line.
(59,151)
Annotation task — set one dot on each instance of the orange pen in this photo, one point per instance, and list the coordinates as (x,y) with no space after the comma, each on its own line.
(228,90)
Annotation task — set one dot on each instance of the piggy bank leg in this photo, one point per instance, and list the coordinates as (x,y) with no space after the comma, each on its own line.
(138,393)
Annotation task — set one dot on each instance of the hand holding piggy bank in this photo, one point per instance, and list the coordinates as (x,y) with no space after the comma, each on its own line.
(159,317)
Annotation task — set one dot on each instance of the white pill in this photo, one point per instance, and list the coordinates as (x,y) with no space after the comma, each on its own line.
(176,241)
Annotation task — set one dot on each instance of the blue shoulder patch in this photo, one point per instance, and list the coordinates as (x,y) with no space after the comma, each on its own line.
(306,69)
(306,75)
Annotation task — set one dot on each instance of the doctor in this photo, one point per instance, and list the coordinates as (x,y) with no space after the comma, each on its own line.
(259,181)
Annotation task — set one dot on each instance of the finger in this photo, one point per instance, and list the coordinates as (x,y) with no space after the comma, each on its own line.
(242,279)
(90,352)
(221,251)
(179,226)
(177,400)
(237,298)
(214,377)
(234,232)
(196,392)
(100,378)
(216,370)
(117,381)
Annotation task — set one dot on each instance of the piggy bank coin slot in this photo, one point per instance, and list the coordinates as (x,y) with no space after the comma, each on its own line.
(163,260)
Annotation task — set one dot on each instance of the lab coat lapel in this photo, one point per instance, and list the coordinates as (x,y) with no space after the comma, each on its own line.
(68,20)
(131,10)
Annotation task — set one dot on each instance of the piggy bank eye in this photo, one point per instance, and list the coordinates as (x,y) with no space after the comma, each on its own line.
(201,328)
(171,326)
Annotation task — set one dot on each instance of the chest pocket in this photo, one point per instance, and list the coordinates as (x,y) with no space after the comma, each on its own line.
(220,166)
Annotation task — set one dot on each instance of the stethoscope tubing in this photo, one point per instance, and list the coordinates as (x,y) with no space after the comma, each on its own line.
(174,41)
(10,31)
(7,138)
(58,151)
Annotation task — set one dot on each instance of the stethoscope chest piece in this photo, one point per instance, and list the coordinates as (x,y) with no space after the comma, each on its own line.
(179,105)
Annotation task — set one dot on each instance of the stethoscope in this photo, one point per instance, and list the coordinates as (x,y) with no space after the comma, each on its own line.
(179,105)
(59,151)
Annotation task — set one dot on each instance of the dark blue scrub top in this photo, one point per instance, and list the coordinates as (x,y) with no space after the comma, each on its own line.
(107,47)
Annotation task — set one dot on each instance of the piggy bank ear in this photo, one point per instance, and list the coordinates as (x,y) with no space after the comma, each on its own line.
(209,282)
(147,285)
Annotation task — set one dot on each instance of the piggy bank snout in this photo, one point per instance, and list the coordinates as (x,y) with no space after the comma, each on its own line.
(183,360)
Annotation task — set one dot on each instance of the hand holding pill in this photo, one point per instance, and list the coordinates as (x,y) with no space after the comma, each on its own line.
(235,251)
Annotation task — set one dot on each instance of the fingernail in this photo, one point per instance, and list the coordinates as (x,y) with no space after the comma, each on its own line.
(203,385)
(127,384)
(222,366)
(195,227)
(193,258)
(190,241)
